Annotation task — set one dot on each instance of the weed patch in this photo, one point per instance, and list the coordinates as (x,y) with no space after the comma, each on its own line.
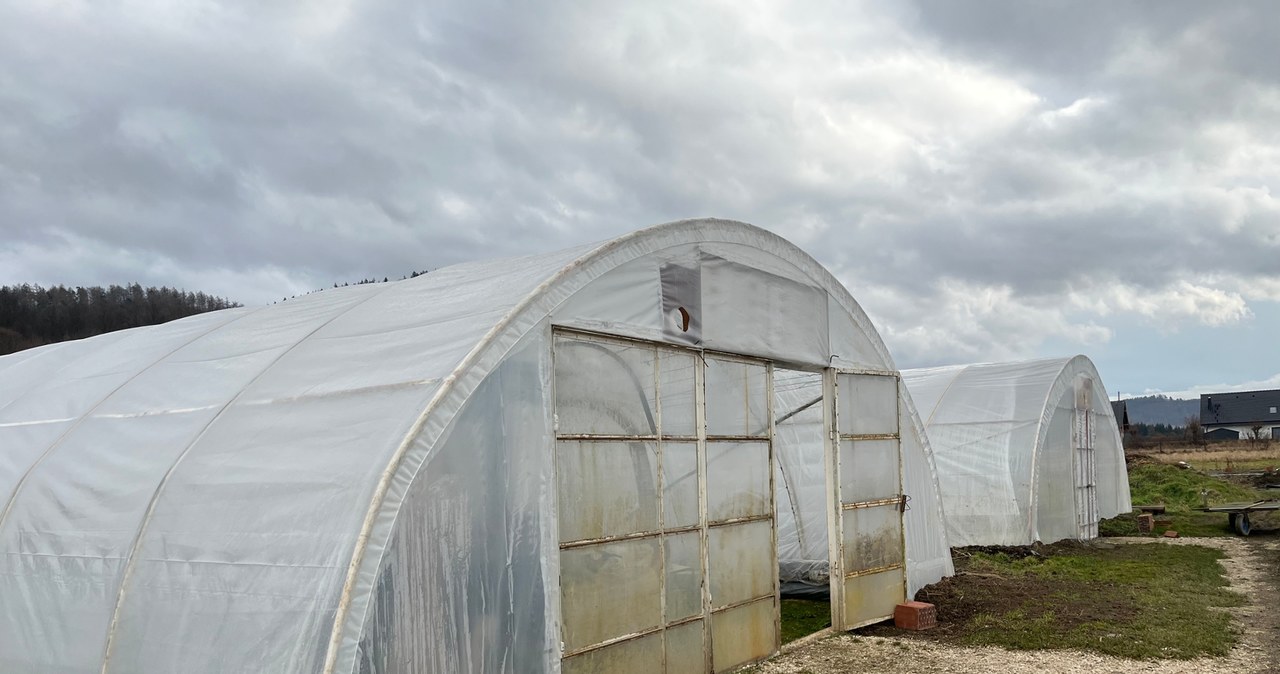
(1180,488)
(1181,491)
(802,617)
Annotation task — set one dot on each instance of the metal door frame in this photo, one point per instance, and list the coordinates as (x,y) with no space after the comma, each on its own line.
(704,526)
(1084,462)
(837,506)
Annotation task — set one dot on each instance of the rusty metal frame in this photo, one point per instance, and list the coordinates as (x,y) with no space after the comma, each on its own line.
(587,437)
(739,604)
(888,500)
(873,570)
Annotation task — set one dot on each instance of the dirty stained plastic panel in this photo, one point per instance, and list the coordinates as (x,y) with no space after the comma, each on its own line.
(874,591)
(740,562)
(872,538)
(686,653)
(606,488)
(742,634)
(637,656)
(598,580)
(684,575)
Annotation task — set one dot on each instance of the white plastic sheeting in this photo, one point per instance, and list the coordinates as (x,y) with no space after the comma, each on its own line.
(361,479)
(1006,439)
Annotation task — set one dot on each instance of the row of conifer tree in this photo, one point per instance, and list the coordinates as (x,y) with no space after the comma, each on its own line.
(31,315)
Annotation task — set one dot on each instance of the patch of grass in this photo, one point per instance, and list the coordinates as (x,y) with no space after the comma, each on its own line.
(802,617)
(1180,488)
(1135,601)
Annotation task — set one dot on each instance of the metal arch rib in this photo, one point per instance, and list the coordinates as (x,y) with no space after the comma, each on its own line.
(164,481)
(943,396)
(1033,500)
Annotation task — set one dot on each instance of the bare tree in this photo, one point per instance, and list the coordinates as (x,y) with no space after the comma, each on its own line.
(1255,437)
(1195,432)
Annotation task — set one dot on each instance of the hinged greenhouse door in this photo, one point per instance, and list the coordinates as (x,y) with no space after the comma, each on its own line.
(664,479)
(868,576)
(1082,439)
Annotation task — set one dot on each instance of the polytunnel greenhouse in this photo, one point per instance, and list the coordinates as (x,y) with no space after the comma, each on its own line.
(562,462)
(1025,451)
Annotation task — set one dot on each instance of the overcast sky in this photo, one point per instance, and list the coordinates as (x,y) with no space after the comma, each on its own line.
(992,180)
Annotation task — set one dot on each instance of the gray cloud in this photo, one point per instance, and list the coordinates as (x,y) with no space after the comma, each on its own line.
(985,178)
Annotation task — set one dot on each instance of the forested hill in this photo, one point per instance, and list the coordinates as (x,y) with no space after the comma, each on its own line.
(1162,410)
(31,315)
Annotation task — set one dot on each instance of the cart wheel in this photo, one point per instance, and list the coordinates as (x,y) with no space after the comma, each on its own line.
(1242,525)
(1231,520)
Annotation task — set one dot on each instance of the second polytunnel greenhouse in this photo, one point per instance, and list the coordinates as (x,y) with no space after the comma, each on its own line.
(1025,451)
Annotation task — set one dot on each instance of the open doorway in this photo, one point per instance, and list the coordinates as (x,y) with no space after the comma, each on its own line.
(802,502)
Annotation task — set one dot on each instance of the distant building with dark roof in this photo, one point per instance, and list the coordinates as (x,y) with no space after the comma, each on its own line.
(1120,410)
(1228,416)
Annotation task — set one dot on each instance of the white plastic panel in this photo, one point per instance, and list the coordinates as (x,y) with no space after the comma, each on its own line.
(605,388)
(737,480)
(466,581)
(197,542)
(675,381)
(736,402)
(868,469)
(752,311)
(868,404)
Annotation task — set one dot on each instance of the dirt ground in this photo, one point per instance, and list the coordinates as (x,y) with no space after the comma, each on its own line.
(958,600)
(1252,566)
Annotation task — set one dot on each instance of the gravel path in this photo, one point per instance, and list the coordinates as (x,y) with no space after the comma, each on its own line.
(1248,568)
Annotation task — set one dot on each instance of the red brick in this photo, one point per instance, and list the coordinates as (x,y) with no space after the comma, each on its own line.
(915,615)
(1171,534)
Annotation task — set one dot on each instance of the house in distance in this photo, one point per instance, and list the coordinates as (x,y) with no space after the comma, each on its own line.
(1241,414)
